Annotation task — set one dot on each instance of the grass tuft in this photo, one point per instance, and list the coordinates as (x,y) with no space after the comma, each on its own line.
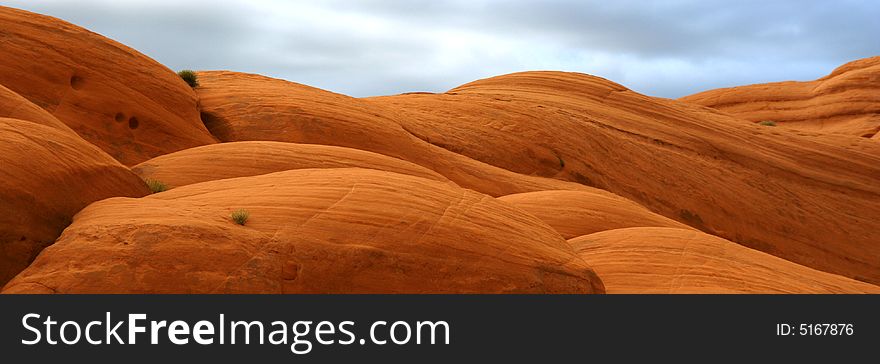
(240,216)
(155,185)
(768,123)
(190,77)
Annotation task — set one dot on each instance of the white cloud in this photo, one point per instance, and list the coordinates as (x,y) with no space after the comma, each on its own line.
(378,47)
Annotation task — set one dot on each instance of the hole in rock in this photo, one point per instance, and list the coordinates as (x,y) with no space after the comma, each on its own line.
(77,82)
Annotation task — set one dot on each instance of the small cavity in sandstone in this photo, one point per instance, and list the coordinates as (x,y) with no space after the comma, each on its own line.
(77,82)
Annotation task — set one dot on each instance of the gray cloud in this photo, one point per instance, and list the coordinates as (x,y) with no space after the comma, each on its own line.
(373,47)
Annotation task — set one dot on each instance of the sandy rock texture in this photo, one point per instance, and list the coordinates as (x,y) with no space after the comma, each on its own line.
(241,159)
(808,199)
(127,104)
(671,260)
(239,107)
(576,213)
(310,231)
(531,182)
(847,101)
(47,176)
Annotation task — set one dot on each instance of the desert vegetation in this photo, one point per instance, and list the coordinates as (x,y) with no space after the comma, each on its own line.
(190,77)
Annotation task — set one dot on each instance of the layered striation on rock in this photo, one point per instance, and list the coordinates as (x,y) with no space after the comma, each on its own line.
(127,104)
(474,190)
(14,106)
(576,213)
(809,199)
(671,260)
(847,101)
(242,107)
(347,230)
(241,159)
(48,175)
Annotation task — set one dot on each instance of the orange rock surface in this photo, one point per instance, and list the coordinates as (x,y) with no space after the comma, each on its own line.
(309,231)
(576,213)
(240,159)
(127,104)
(670,260)
(473,190)
(48,175)
(846,102)
(808,199)
(239,106)
(13,106)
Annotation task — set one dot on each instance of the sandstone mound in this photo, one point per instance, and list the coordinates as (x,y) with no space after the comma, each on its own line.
(241,107)
(310,230)
(576,213)
(241,159)
(847,101)
(669,260)
(396,193)
(48,175)
(807,199)
(13,106)
(116,98)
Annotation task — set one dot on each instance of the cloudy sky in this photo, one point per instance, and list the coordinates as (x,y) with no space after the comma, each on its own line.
(374,47)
